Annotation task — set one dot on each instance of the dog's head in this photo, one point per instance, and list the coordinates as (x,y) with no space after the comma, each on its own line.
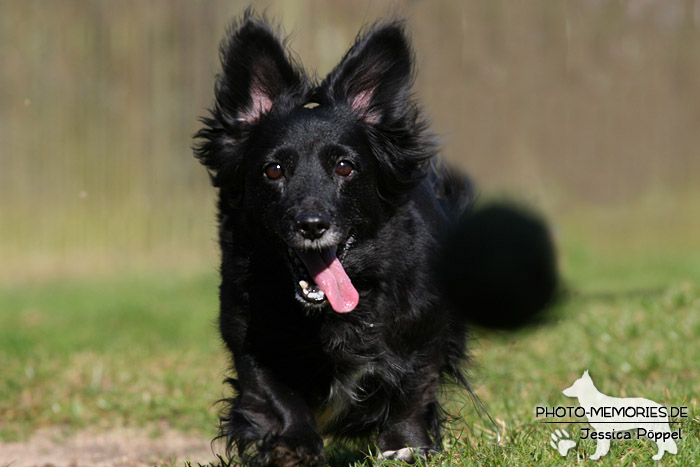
(315,163)
(582,386)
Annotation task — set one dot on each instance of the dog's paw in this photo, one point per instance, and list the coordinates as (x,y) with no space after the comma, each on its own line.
(283,456)
(409,455)
(561,442)
(282,451)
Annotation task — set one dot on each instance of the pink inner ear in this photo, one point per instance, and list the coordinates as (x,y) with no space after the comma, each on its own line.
(260,105)
(361,104)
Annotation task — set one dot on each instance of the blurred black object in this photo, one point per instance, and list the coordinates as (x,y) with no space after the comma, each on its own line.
(499,267)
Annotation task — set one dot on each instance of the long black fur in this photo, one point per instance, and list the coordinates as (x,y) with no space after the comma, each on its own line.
(306,372)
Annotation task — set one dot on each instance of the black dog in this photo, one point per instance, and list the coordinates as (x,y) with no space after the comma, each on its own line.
(331,216)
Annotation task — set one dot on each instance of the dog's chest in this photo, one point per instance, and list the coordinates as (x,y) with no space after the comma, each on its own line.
(345,391)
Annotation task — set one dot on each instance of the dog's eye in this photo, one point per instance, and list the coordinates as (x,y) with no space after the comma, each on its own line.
(344,168)
(273,171)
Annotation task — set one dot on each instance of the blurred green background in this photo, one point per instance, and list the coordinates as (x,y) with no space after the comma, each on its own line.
(587,111)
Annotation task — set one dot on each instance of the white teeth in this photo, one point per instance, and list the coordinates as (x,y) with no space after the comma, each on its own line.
(318,295)
(312,292)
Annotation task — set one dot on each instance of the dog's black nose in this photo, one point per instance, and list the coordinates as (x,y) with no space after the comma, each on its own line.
(312,226)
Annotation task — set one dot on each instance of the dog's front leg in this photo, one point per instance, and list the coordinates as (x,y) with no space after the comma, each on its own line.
(410,431)
(268,422)
(601,449)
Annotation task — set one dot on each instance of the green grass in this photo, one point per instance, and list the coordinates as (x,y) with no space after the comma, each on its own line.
(143,351)
(126,351)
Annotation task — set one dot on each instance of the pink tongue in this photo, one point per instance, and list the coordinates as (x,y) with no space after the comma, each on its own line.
(330,277)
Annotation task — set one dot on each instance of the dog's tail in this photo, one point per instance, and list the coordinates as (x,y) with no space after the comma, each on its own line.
(498,263)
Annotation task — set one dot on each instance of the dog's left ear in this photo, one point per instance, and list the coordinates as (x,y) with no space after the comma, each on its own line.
(375,76)
(257,76)
(256,72)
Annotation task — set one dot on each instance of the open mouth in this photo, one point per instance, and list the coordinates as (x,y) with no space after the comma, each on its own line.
(320,278)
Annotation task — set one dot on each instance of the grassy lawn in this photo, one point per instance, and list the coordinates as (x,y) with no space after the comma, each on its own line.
(105,352)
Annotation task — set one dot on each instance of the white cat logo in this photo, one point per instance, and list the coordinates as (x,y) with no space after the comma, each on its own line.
(628,413)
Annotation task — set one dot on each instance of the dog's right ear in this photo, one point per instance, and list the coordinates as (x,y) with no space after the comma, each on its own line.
(375,76)
(256,76)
